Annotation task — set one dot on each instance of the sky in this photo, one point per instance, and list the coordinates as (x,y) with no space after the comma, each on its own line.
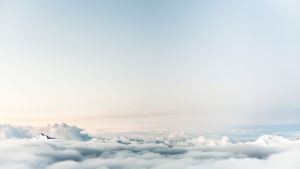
(150,65)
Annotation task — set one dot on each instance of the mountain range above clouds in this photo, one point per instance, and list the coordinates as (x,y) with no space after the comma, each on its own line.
(73,133)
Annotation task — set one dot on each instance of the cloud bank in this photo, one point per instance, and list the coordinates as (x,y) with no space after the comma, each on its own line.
(62,131)
(77,150)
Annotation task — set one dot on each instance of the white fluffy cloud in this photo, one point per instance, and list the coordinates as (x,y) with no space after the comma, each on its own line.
(62,131)
(76,150)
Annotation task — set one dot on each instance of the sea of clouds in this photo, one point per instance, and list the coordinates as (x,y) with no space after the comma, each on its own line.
(75,149)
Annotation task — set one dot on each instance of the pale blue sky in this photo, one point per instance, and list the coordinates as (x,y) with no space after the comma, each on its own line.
(171,65)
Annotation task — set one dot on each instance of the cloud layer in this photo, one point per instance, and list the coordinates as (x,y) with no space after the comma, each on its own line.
(76,150)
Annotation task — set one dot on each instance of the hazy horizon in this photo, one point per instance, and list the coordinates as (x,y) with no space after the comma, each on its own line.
(150,65)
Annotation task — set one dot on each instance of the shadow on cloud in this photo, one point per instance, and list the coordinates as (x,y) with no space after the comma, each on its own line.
(74,149)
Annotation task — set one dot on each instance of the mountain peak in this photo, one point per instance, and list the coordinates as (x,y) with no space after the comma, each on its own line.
(42,136)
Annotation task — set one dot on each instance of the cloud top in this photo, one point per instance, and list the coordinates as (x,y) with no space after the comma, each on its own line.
(61,131)
(78,150)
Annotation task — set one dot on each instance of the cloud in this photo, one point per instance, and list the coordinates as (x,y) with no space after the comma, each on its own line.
(62,131)
(8,131)
(142,151)
(65,131)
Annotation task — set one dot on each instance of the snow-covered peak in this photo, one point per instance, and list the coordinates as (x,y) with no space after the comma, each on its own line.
(42,136)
